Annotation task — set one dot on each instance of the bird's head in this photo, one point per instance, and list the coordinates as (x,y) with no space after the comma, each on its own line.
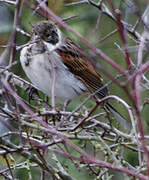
(46,31)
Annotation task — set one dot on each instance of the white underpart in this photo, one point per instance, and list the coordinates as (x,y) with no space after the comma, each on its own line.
(39,71)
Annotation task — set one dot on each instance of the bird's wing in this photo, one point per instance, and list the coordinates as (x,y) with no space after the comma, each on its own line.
(79,64)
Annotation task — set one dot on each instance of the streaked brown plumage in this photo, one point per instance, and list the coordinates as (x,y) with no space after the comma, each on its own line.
(80,65)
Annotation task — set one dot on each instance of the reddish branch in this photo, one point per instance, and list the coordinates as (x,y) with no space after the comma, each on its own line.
(85,157)
(122,32)
(138,112)
(123,37)
(96,51)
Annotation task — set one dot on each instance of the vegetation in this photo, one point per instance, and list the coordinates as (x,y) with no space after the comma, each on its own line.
(79,140)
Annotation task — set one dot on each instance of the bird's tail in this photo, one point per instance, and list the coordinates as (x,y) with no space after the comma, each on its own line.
(123,122)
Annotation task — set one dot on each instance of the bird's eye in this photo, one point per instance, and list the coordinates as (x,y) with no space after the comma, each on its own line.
(53,32)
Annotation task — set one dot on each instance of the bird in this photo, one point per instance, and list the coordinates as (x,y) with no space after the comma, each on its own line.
(75,74)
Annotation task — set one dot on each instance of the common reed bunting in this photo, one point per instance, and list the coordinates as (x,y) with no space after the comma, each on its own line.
(74,72)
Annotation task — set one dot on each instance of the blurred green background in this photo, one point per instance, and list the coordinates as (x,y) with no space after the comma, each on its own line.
(85,23)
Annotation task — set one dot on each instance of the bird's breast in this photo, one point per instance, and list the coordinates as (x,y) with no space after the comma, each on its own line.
(39,71)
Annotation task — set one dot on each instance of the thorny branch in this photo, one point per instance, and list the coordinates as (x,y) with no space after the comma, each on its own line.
(82,124)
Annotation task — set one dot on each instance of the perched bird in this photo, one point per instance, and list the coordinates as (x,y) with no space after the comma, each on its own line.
(75,74)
